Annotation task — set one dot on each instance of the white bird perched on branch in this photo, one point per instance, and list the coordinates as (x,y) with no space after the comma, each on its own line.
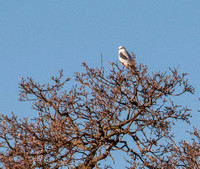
(125,58)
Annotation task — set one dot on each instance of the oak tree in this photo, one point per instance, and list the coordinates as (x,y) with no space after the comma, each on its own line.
(117,110)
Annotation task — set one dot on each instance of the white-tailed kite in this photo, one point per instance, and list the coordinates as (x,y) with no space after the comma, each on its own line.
(124,57)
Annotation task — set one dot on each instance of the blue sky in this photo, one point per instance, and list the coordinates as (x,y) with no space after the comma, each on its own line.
(38,38)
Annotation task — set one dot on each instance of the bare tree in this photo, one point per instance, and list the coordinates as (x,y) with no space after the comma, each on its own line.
(126,110)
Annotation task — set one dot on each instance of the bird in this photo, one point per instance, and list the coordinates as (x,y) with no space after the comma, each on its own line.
(125,58)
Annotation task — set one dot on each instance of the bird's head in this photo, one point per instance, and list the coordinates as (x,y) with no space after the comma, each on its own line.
(121,47)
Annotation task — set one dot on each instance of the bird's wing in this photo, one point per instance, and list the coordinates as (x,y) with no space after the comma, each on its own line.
(129,56)
(121,55)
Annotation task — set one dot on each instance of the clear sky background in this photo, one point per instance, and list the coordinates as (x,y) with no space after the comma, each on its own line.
(38,38)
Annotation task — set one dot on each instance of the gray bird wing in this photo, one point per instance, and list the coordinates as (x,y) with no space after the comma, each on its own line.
(129,56)
(121,55)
